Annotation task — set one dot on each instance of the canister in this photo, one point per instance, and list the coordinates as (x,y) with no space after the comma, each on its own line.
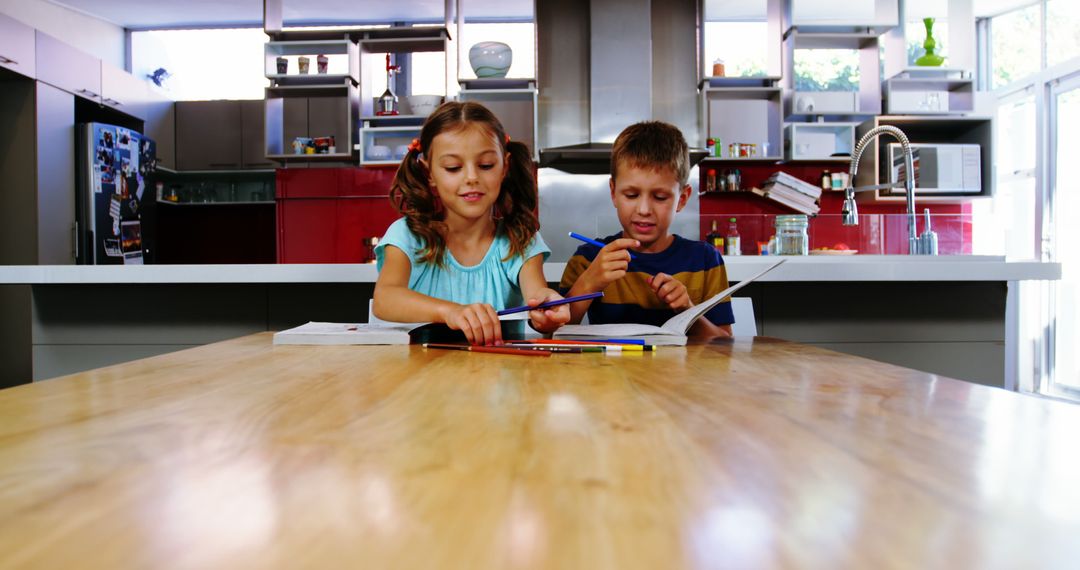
(791,235)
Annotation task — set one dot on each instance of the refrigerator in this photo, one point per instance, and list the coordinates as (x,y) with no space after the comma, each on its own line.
(115,195)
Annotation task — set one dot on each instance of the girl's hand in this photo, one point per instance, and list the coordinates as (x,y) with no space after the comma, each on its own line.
(547,320)
(478,321)
(671,292)
(610,264)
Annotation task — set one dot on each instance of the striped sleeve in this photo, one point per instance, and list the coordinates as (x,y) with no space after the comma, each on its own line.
(575,266)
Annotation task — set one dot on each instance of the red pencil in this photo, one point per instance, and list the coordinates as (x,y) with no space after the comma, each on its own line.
(490,349)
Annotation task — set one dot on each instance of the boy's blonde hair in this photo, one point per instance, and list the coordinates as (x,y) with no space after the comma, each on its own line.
(653,145)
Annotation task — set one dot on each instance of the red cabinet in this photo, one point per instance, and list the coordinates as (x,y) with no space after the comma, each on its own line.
(324,214)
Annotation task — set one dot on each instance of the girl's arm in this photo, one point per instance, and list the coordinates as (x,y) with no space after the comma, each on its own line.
(394,301)
(535,290)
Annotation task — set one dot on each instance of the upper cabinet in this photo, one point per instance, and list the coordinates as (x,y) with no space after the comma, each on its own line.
(124,92)
(879,14)
(17,46)
(67,68)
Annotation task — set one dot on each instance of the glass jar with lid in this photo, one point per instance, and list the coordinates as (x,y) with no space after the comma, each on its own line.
(791,235)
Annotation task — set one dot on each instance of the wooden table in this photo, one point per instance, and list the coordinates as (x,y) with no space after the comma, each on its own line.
(737,454)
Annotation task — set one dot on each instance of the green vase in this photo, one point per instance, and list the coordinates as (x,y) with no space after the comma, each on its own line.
(930,59)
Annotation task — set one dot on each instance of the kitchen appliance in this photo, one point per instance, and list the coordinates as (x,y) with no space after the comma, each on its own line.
(387,103)
(115,197)
(939,168)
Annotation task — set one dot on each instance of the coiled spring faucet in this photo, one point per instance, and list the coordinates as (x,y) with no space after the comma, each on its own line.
(849,213)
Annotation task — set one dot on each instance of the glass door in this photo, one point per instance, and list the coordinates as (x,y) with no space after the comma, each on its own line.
(1064,235)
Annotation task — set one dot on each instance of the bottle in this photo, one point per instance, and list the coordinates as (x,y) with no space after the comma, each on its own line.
(718,147)
(710,146)
(826,180)
(715,239)
(718,68)
(732,239)
(710,181)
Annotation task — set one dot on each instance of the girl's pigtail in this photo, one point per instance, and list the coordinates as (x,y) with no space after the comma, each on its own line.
(518,200)
(414,199)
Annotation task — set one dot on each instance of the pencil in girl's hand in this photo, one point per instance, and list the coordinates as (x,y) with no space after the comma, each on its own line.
(580,237)
(549,304)
(488,349)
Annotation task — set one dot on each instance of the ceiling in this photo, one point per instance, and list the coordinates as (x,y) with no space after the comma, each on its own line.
(143,14)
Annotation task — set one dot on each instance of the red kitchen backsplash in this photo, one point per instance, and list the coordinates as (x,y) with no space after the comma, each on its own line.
(886,234)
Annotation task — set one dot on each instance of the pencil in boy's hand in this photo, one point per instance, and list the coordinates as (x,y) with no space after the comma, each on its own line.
(549,304)
(489,349)
(601,245)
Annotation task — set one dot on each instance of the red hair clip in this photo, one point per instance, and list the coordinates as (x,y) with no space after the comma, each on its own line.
(507,139)
(415,145)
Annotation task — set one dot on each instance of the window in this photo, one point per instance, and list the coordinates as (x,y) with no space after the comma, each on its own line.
(1062,30)
(741,46)
(1005,225)
(1015,40)
(1066,234)
(826,70)
(202,64)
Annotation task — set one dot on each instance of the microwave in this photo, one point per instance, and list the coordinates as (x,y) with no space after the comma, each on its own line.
(939,168)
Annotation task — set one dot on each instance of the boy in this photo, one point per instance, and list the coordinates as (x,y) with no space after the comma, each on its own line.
(650,163)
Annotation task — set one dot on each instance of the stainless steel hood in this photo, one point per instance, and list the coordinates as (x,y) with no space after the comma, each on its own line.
(620,84)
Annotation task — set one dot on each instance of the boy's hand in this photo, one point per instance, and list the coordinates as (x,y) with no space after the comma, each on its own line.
(478,321)
(671,292)
(547,320)
(610,264)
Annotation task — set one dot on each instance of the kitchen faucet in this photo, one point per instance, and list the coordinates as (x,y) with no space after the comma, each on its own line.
(849,213)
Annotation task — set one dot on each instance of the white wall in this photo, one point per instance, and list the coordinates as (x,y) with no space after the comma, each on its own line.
(97,37)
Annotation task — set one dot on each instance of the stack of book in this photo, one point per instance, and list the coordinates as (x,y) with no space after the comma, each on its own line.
(785,189)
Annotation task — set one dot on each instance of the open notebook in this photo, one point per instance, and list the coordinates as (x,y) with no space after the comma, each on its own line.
(377,333)
(673,332)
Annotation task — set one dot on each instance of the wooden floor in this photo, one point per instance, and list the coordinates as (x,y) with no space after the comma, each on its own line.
(736,454)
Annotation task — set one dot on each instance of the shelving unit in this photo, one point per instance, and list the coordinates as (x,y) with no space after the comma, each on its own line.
(391,132)
(278,149)
(744,114)
(513,101)
(374,44)
(342,54)
(934,91)
(924,129)
(819,141)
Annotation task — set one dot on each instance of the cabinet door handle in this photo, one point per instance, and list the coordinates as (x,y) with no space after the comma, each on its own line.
(7,59)
(112,102)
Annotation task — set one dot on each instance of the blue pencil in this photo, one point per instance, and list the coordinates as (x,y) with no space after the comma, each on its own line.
(580,237)
(549,304)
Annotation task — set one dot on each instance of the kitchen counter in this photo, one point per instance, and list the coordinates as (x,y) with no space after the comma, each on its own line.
(955,316)
(809,268)
(752,453)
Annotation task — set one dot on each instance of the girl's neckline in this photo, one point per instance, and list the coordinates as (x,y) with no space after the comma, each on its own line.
(454,260)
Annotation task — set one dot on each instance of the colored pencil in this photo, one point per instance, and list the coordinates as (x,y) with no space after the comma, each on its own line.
(557,341)
(580,237)
(559,347)
(550,304)
(488,349)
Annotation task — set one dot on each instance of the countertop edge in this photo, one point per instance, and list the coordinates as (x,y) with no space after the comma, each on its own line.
(861,268)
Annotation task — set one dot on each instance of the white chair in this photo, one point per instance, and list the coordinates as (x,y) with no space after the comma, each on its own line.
(745,325)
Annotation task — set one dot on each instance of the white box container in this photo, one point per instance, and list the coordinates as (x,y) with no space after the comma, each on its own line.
(824,102)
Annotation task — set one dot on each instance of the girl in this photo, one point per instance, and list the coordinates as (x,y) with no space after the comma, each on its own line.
(468,243)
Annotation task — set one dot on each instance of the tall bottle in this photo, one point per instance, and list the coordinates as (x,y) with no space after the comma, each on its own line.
(734,245)
(715,239)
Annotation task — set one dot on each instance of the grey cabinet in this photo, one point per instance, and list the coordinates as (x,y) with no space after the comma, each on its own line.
(221,135)
(55,176)
(253,135)
(17,51)
(160,126)
(329,116)
(123,91)
(208,135)
(67,68)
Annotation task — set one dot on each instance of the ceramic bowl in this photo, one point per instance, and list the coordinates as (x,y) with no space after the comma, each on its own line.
(400,151)
(423,105)
(378,152)
(490,59)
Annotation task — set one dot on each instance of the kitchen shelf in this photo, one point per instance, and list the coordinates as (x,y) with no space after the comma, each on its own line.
(744,115)
(203,204)
(401,40)
(343,56)
(516,109)
(320,90)
(390,137)
(858,39)
(323,157)
(925,129)
(821,140)
(914,94)
(496,83)
(725,81)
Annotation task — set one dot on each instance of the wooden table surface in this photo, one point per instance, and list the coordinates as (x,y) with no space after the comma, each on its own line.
(733,454)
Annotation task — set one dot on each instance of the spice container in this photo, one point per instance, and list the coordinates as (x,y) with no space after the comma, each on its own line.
(718,68)
(791,235)
(710,181)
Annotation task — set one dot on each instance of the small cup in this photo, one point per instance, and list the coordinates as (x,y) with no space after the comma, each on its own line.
(304,63)
(321,63)
(282,66)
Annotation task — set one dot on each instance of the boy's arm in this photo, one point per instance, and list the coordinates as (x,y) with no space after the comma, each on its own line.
(394,301)
(704,328)
(535,289)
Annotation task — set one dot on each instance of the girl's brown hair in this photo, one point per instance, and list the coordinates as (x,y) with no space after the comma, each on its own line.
(418,202)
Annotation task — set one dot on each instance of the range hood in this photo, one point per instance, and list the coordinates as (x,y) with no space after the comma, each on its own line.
(620,85)
(592,158)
